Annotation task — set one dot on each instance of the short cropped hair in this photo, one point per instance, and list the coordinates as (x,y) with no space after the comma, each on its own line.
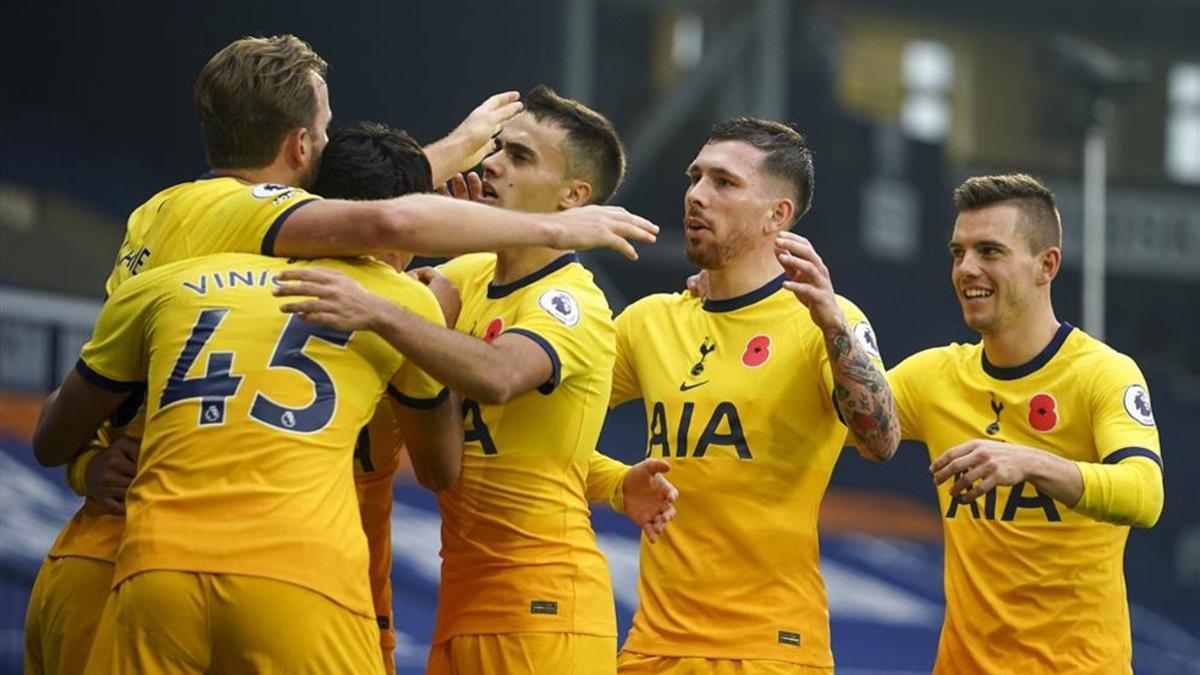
(594,152)
(788,156)
(369,160)
(1039,221)
(252,94)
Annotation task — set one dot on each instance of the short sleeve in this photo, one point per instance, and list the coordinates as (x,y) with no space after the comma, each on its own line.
(1122,418)
(625,384)
(268,208)
(412,386)
(860,331)
(115,357)
(905,381)
(569,325)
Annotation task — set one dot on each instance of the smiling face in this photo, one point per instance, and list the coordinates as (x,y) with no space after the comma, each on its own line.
(997,277)
(528,171)
(729,203)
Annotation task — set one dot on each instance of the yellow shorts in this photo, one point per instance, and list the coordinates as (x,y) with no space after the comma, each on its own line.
(64,609)
(524,654)
(184,622)
(630,663)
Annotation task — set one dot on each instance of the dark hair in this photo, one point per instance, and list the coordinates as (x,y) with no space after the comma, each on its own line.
(595,153)
(369,160)
(1039,211)
(252,94)
(788,156)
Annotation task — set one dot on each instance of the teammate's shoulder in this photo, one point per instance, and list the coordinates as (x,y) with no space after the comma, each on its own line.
(848,306)
(1088,354)
(937,358)
(467,268)
(654,304)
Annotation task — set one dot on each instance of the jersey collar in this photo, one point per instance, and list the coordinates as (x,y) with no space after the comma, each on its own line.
(1034,364)
(730,304)
(496,291)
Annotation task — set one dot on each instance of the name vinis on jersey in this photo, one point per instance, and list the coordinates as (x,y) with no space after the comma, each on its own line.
(230,279)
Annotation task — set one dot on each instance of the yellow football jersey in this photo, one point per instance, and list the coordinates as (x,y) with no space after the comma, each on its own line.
(518,550)
(201,217)
(1031,586)
(738,398)
(208,215)
(251,420)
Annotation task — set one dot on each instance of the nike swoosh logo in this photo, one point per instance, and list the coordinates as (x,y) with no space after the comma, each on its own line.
(684,386)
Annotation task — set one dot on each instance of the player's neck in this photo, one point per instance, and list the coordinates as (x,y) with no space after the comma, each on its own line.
(262,174)
(515,263)
(743,275)
(1025,339)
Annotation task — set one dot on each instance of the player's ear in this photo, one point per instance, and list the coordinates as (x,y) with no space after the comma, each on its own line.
(297,148)
(1049,262)
(780,218)
(577,193)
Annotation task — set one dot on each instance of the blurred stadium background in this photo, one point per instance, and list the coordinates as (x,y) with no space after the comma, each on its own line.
(900,100)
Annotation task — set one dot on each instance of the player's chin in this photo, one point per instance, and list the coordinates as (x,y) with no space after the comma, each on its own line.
(702,255)
(978,321)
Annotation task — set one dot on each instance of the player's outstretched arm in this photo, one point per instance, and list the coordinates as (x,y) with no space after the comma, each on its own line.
(433,438)
(490,373)
(860,390)
(70,417)
(474,139)
(434,225)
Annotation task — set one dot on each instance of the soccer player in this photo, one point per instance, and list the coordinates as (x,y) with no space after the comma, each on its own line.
(264,109)
(524,587)
(369,160)
(1044,450)
(748,395)
(243,550)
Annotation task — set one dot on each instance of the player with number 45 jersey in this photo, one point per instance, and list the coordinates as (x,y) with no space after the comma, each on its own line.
(243,549)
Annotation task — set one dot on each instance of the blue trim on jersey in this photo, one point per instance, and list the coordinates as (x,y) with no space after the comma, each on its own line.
(1034,364)
(1126,453)
(548,386)
(730,304)
(86,372)
(418,403)
(207,175)
(268,242)
(495,291)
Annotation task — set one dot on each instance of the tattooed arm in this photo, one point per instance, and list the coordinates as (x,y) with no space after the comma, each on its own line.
(860,390)
(862,395)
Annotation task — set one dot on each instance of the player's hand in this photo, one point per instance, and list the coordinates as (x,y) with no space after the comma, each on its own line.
(697,284)
(339,301)
(808,278)
(980,465)
(473,139)
(649,497)
(443,289)
(602,227)
(110,472)
(466,186)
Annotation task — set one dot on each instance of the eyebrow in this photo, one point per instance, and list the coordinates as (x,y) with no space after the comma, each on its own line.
(978,244)
(519,148)
(718,170)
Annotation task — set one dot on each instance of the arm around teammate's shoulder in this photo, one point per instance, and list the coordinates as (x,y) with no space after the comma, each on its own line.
(441,226)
